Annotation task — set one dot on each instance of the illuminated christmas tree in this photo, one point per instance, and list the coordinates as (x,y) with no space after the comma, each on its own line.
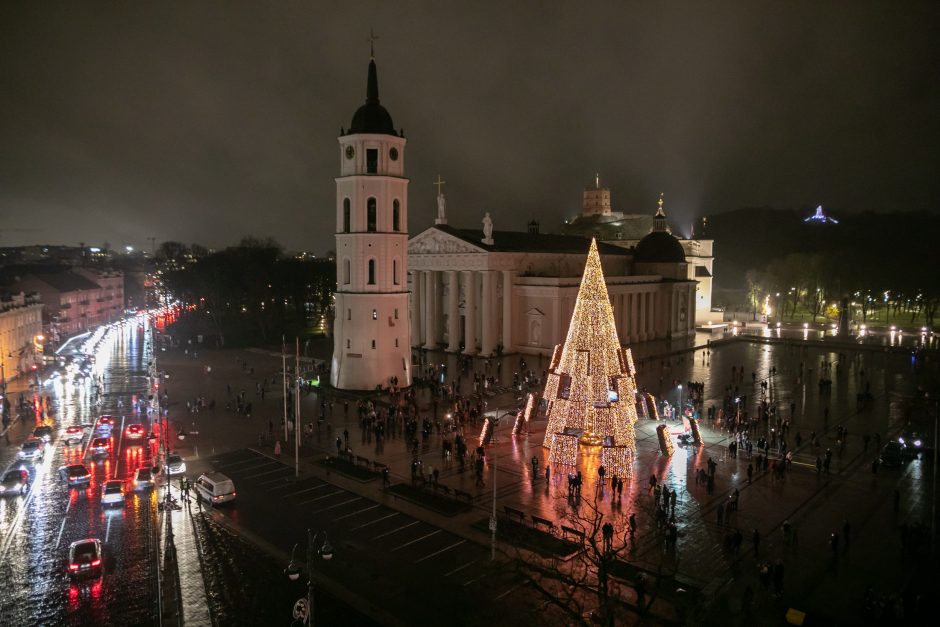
(591,383)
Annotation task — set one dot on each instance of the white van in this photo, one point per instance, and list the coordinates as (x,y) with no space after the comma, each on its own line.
(215,488)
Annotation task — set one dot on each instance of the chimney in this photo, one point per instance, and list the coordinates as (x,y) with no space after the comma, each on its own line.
(533,228)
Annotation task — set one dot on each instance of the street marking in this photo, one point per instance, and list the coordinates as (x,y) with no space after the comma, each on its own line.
(388,533)
(460,568)
(120,443)
(284,484)
(261,474)
(322,485)
(358,498)
(107,532)
(325,496)
(433,533)
(65,517)
(356,512)
(507,592)
(455,544)
(372,522)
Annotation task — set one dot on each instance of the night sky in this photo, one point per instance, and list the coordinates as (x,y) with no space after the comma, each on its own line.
(204,122)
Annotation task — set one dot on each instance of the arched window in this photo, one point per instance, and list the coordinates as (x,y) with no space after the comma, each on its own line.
(370,215)
(372,272)
(346,271)
(396,216)
(395,271)
(346,216)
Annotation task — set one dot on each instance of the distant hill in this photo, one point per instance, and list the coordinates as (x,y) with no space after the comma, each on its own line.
(752,237)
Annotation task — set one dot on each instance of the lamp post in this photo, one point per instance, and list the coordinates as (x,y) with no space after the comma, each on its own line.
(293,570)
(499,417)
(681,413)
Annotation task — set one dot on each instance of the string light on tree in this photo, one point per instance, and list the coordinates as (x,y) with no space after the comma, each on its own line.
(591,384)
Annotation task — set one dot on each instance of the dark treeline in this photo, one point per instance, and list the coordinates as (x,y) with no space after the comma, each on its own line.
(249,292)
(863,257)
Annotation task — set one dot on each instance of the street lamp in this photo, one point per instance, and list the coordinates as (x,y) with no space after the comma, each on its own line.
(680,402)
(293,572)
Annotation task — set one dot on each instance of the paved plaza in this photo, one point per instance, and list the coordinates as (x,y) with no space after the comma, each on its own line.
(830,588)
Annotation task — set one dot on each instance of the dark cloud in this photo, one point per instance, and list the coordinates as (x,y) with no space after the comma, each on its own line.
(207,121)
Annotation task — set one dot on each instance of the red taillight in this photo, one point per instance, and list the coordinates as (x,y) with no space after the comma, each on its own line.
(73,566)
(96,563)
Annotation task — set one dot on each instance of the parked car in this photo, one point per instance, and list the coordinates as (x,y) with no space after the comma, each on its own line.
(75,475)
(175,465)
(85,558)
(112,493)
(15,482)
(73,434)
(215,488)
(32,450)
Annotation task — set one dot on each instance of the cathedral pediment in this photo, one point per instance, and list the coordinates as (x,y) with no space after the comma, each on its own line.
(434,241)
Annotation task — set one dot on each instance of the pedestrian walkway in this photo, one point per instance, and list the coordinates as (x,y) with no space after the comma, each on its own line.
(811,502)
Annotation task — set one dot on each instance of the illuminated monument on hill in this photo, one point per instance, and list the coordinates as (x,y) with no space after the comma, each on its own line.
(819,216)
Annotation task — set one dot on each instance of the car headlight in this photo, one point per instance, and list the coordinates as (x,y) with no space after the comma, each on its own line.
(901,440)
(917,443)
(3,488)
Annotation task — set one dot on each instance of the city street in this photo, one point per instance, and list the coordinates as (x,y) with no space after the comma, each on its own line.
(36,530)
(398,562)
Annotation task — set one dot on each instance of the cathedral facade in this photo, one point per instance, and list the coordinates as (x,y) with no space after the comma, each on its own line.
(480,292)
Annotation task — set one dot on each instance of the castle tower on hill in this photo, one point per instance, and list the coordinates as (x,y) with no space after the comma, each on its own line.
(591,383)
(372,342)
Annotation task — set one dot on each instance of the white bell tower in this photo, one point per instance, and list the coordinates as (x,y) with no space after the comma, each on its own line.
(372,343)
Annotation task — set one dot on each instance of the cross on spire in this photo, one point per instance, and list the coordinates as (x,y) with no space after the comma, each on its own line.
(371,40)
(438,183)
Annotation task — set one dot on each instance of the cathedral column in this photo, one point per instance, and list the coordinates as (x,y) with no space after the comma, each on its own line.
(430,315)
(641,311)
(489,326)
(470,313)
(633,321)
(417,307)
(453,316)
(507,311)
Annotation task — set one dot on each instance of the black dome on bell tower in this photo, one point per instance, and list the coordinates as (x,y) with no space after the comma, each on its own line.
(372,117)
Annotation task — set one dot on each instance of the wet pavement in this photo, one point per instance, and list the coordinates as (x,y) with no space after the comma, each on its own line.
(36,530)
(272,511)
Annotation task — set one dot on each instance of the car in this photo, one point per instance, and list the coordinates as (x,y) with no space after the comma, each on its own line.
(143,478)
(85,558)
(32,450)
(15,482)
(215,488)
(135,431)
(112,492)
(43,433)
(75,475)
(73,434)
(175,465)
(100,447)
(894,453)
(106,419)
(103,429)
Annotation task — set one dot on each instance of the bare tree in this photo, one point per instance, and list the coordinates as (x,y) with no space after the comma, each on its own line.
(581,587)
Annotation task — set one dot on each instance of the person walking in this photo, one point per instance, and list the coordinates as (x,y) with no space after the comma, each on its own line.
(277,449)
